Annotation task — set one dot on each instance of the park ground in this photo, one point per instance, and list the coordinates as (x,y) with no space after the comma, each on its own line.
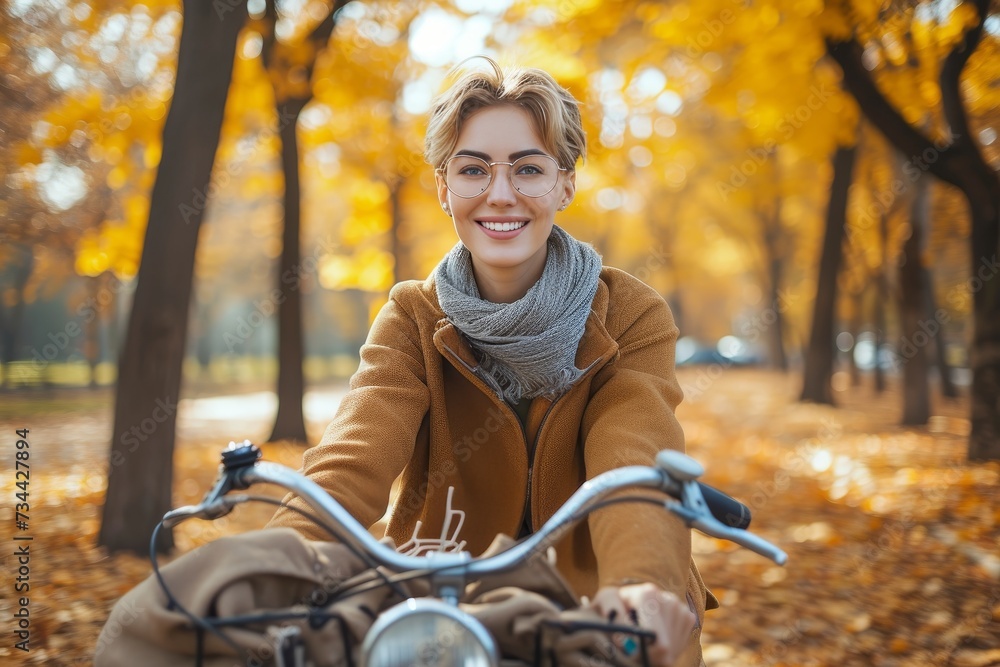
(892,537)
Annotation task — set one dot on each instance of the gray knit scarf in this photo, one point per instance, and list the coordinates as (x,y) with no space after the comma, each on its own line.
(526,348)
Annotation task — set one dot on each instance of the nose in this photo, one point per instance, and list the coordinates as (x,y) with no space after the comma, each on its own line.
(501,192)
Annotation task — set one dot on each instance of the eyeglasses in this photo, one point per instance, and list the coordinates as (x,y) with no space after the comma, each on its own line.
(532,175)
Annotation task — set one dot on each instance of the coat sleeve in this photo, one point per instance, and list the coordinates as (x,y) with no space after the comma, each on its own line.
(372,436)
(630,417)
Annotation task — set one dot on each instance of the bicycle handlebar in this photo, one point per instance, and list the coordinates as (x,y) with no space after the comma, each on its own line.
(699,505)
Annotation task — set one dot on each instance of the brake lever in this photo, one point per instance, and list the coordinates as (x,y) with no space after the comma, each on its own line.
(693,510)
(209,511)
(213,505)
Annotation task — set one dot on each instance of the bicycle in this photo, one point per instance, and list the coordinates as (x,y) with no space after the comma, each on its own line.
(428,624)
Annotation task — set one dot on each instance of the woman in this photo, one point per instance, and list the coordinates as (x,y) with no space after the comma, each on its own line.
(520,368)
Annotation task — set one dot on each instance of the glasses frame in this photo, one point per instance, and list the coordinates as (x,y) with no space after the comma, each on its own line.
(510,174)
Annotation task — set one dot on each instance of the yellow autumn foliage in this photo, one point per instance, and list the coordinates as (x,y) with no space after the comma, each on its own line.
(710,125)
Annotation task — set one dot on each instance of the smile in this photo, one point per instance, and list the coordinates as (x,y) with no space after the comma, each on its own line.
(503,226)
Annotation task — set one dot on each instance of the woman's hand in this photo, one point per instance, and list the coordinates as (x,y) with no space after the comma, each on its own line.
(652,609)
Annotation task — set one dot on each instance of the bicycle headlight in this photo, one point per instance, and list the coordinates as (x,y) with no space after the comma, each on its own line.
(428,632)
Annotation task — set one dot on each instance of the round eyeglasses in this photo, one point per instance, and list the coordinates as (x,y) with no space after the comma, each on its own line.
(532,175)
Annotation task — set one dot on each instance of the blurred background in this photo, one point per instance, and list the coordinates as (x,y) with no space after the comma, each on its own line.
(712,130)
(205,203)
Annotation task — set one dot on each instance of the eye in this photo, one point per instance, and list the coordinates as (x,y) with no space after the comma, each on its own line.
(472,170)
(530,170)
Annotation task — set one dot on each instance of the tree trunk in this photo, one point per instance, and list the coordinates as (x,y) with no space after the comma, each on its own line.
(962,164)
(948,388)
(773,257)
(776,337)
(819,355)
(140,474)
(92,341)
(10,327)
(395,242)
(916,332)
(112,317)
(881,303)
(855,329)
(203,343)
(289,423)
(984,441)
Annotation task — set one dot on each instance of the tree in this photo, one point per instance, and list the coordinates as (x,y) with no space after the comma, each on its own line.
(913,350)
(18,261)
(819,354)
(390,228)
(291,69)
(955,159)
(149,376)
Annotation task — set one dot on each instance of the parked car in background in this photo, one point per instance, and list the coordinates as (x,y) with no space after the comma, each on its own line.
(727,351)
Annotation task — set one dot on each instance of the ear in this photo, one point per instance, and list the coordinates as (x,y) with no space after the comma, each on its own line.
(442,189)
(568,188)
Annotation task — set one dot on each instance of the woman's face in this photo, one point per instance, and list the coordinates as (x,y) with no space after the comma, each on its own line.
(506,263)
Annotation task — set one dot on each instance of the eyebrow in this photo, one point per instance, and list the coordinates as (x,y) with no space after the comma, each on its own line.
(513,156)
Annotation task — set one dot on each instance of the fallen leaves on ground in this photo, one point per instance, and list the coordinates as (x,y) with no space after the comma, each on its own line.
(892,537)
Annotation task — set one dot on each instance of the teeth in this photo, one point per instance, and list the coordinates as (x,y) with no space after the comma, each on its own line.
(503,226)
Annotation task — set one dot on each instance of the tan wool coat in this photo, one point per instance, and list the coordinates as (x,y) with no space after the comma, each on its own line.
(418,407)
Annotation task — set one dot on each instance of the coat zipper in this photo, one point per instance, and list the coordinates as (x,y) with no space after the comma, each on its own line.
(529,450)
(474,370)
(525,511)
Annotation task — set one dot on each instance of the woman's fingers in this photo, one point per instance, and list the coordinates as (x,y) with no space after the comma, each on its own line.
(670,619)
(651,609)
(609,603)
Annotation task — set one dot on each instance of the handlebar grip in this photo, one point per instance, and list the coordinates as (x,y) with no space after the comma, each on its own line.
(729,511)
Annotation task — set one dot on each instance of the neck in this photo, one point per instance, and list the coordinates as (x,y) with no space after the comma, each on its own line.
(506,285)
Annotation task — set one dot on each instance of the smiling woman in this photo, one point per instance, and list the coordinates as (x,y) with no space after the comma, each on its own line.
(505,227)
(520,341)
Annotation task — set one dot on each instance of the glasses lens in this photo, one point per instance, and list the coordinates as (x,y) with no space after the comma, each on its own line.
(534,175)
(467,176)
(531,175)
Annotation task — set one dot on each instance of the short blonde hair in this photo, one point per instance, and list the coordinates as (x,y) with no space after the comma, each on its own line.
(554,111)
